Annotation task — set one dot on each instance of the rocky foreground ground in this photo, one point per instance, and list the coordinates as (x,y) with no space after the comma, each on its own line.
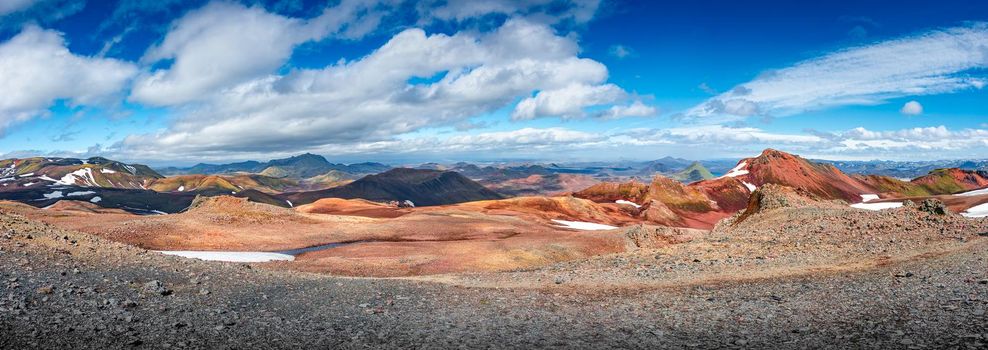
(62,289)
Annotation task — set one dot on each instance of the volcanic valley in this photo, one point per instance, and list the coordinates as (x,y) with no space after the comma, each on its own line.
(774,251)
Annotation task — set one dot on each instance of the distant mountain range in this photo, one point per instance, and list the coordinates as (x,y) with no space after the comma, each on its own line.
(677,190)
(301,166)
(904,169)
(44,181)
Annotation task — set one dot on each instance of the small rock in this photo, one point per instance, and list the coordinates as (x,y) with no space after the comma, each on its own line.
(46,289)
(156,287)
(203,292)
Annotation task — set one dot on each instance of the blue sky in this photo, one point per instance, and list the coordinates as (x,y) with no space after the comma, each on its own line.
(178,82)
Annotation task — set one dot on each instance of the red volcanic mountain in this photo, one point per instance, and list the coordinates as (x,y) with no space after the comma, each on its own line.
(700,204)
(937,182)
(953,180)
(664,201)
(777,167)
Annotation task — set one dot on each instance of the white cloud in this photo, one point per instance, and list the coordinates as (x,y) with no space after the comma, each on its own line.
(719,134)
(511,143)
(937,138)
(620,51)
(36,69)
(635,109)
(932,63)
(525,137)
(911,108)
(224,44)
(11,6)
(936,142)
(567,102)
(372,99)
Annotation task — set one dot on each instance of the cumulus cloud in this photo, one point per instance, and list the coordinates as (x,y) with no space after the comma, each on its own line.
(376,98)
(936,62)
(509,142)
(567,102)
(937,142)
(911,108)
(36,69)
(525,137)
(224,44)
(939,138)
(724,134)
(635,109)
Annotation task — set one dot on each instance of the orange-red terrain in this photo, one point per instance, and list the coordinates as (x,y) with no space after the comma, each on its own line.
(380,240)
(368,238)
(702,204)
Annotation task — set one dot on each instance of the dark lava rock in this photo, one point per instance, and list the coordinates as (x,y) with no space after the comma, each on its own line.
(934,206)
(156,287)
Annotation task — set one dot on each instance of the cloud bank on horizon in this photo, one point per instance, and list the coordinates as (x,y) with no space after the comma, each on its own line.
(221,80)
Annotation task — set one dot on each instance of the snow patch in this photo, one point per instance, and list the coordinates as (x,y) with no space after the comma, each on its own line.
(580,225)
(633,204)
(80,193)
(144,211)
(751,187)
(181,188)
(107,171)
(868,197)
(29,184)
(230,256)
(977,211)
(53,195)
(26,175)
(290,205)
(96,199)
(84,174)
(877,206)
(738,170)
(974,192)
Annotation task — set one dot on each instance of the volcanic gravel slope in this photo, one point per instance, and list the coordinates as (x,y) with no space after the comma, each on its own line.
(61,289)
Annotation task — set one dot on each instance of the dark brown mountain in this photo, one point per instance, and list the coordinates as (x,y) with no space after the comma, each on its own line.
(423,187)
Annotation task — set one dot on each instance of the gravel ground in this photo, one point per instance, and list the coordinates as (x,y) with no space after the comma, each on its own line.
(61,289)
